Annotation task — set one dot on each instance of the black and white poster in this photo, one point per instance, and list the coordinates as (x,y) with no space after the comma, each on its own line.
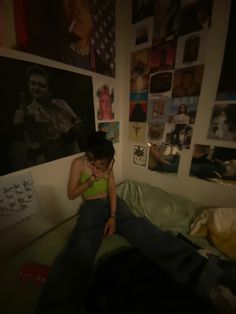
(46,114)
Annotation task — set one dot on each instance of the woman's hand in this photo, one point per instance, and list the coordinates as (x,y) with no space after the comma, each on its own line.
(110,227)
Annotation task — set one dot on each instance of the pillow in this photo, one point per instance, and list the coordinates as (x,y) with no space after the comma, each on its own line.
(168,211)
(218,225)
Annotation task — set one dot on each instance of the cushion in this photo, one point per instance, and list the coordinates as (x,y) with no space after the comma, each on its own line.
(218,225)
(168,211)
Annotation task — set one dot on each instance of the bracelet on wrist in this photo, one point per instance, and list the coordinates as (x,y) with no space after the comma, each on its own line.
(113,215)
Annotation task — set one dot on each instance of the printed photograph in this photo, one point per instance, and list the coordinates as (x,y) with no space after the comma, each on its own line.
(163,56)
(223,123)
(213,163)
(43,119)
(157,109)
(187,81)
(163,158)
(105,100)
(143,34)
(112,130)
(191,49)
(160,83)
(155,132)
(140,70)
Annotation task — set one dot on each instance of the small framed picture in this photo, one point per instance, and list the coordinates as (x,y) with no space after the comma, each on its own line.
(140,155)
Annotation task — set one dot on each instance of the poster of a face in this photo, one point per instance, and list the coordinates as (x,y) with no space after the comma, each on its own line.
(78,32)
(213,163)
(43,118)
(223,122)
(187,81)
(105,100)
(140,155)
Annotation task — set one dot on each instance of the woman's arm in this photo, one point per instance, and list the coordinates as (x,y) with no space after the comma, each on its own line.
(112,194)
(111,223)
(74,187)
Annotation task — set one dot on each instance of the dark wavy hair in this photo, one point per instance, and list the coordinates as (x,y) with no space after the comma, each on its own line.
(100,147)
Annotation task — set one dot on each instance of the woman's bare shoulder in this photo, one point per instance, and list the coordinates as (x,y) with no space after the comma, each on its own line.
(79,162)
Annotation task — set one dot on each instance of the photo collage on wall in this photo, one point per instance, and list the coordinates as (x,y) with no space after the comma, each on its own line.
(166,79)
(50,113)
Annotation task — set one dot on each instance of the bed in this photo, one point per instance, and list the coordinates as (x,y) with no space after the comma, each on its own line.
(168,211)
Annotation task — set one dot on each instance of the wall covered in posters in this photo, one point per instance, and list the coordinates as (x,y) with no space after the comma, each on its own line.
(57,61)
(166,86)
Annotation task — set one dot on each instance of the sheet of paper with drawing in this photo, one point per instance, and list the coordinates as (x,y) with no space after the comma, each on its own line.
(18,201)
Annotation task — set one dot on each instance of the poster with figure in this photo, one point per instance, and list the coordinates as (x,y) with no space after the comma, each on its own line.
(163,56)
(77,32)
(18,201)
(191,49)
(137,131)
(138,111)
(112,130)
(187,81)
(223,122)
(157,109)
(43,119)
(139,155)
(164,158)
(104,97)
(213,163)
(140,70)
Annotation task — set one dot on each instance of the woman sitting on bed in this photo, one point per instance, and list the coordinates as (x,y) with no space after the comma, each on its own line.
(101,214)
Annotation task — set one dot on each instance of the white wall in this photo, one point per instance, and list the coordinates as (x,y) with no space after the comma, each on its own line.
(210,194)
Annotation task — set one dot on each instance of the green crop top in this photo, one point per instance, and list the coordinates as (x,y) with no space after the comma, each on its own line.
(99,186)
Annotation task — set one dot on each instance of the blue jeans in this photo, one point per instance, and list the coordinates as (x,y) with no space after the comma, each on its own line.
(72,270)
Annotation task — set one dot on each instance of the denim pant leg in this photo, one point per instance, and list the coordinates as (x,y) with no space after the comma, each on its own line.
(168,252)
(71,271)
